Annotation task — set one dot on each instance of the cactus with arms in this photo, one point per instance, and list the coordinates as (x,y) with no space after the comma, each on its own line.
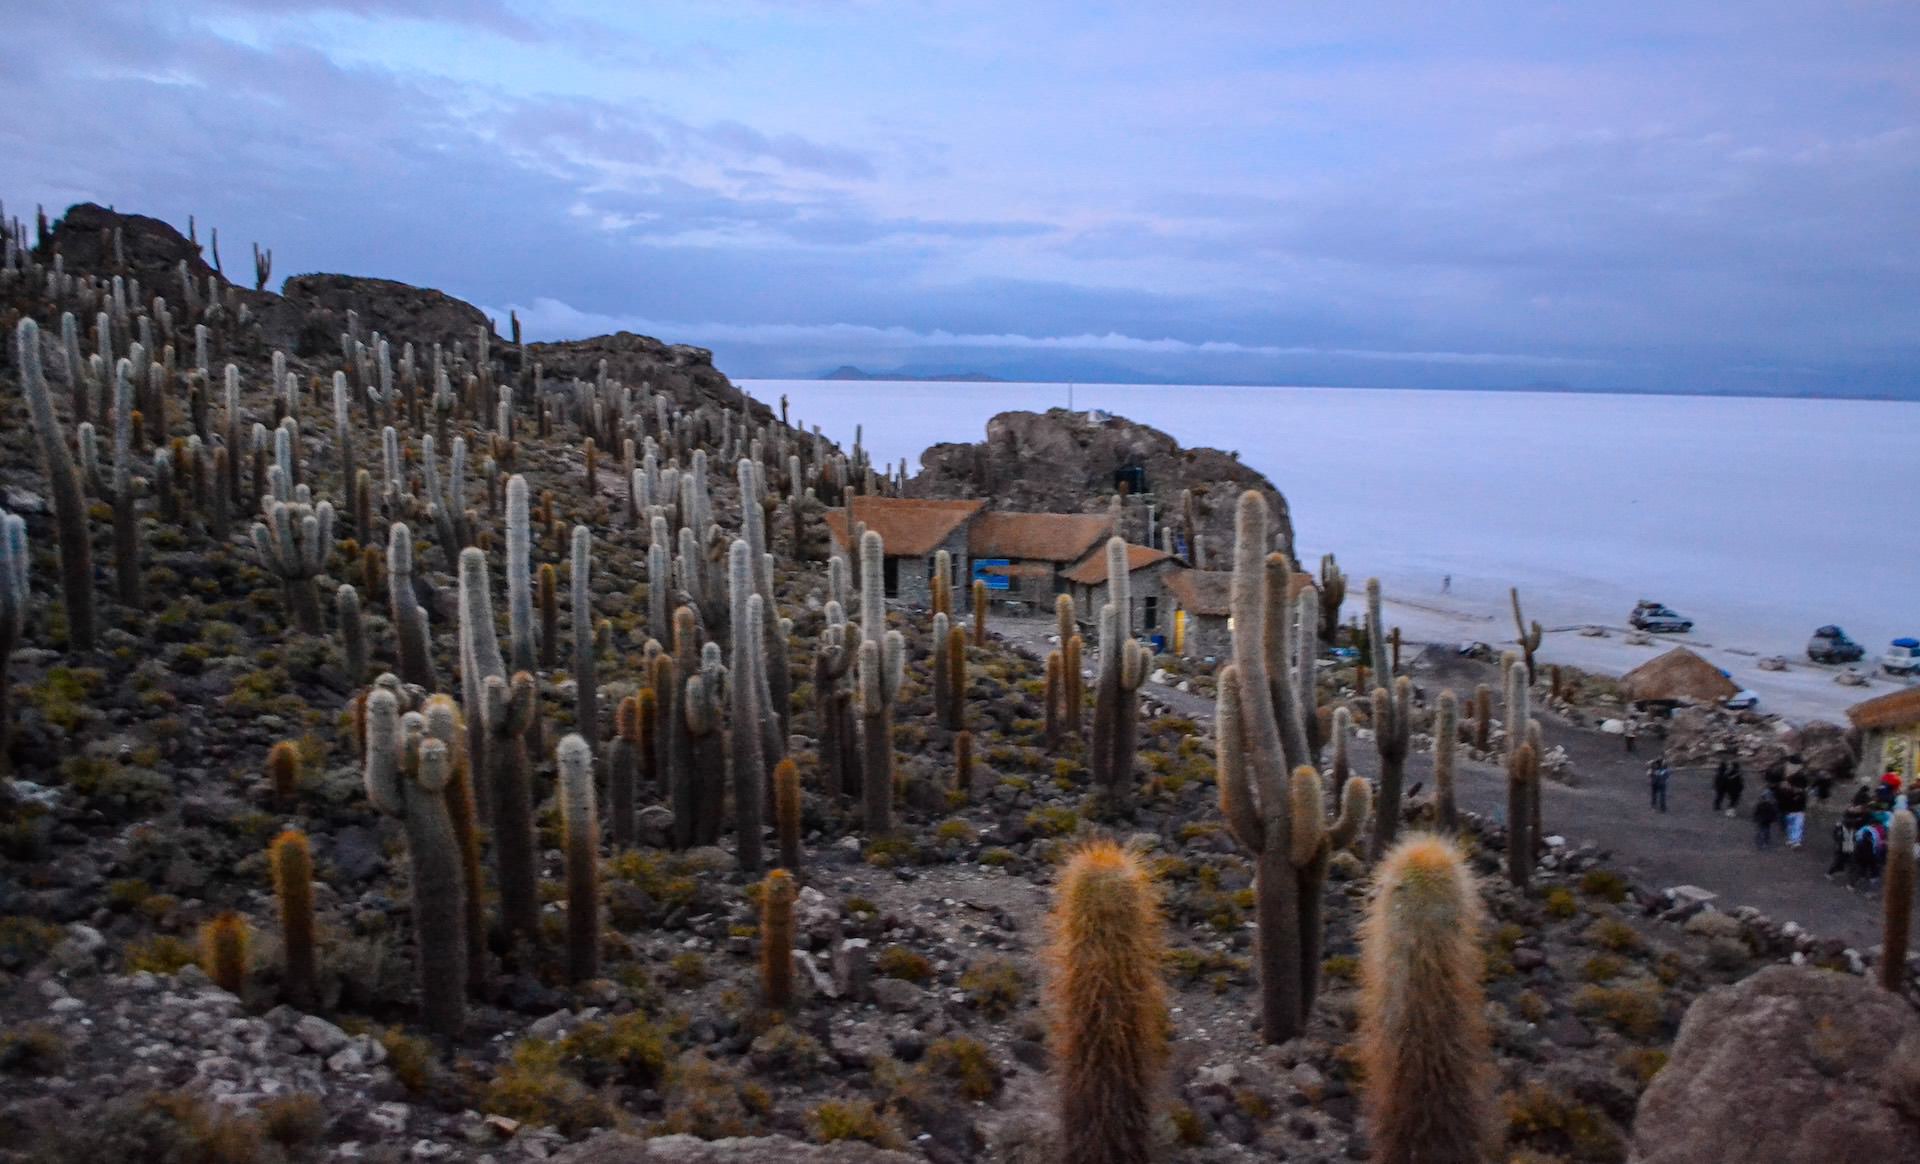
(1116,702)
(1271,801)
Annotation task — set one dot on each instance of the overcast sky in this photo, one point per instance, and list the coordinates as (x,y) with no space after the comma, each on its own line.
(1649,196)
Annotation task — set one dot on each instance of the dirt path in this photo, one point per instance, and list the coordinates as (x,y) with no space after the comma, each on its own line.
(1688,845)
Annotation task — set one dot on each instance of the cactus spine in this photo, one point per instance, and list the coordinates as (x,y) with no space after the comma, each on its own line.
(1107,1006)
(574,758)
(1423,1033)
(224,943)
(786,812)
(292,863)
(407,772)
(1116,702)
(882,662)
(70,507)
(585,679)
(776,938)
(1446,741)
(409,617)
(1264,785)
(1897,903)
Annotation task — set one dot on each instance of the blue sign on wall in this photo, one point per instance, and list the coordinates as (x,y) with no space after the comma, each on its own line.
(997,573)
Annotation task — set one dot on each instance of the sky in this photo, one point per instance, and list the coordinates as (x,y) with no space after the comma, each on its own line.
(1681,196)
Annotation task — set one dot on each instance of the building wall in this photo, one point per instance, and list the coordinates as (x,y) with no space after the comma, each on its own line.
(916,576)
(1207,637)
(1149,591)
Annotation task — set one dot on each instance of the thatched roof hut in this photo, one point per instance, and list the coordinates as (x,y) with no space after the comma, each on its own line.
(1679,676)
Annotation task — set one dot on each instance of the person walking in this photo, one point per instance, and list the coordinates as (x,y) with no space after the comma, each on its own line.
(1630,736)
(1793,808)
(1720,784)
(1736,787)
(1658,774)
(1766,810)
(1446,584)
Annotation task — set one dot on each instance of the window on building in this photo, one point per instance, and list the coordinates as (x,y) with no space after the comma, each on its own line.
(890,572)
(1150,613)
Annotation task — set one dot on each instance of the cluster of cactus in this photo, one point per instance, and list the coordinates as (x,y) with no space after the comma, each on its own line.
(1423,1031)
(293,542)
(408,616)
(687,692)
(69,505)
(1270,794)
(117,485)
(1124,663)
(1108,1006)
(882,666)
(504,710)
(747,754)
(408,769)
(834,654)
(1392,726)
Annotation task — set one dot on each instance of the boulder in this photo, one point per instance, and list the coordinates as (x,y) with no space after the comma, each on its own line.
(1839,1075)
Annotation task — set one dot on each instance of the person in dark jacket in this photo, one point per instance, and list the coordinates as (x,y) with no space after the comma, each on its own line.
(1720,784)
(1766,811)
(1658,776)
(1793,811)
(1736,786)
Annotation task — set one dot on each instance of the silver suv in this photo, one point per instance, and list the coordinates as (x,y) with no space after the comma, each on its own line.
(1660,619)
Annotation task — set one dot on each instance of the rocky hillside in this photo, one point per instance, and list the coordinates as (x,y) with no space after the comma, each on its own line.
(308,854)
(1064,462)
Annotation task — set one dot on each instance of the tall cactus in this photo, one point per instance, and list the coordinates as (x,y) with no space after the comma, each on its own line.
(406,777)
(444,724)
(1073,693)
(293,543)
(1527,635)
(117,488)
(69,505)
(882,663)
(1423,1030)
(1055,699)
(522,655)
(15,597)
(776,938)
(586,674)
(747,756)
(578,813)
(1446,742)
(353,632)
(292,862)
(1333,594)
(409,617)
(956,709)
(979,613)
(1392,736)
(505,711)
(1523,776)
(659,579)
(943,583)
(1107,1005)
(1272,801)
(708,750)
(833,659)
(938,670)
(786,812)
(1897,903)
(225,944)
(1124,663)
(623,767)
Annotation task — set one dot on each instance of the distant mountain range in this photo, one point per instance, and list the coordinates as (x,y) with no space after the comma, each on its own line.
(849,372)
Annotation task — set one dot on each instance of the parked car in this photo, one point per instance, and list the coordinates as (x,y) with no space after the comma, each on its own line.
(1830,644)
(1659,618)
(1741,700)
(1902,657)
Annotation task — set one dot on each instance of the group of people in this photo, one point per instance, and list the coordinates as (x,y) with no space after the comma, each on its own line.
(1859,836)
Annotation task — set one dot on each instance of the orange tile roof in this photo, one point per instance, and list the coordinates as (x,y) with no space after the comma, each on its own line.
(1093,569)
(909,527)
(1895,709)
(1044,537)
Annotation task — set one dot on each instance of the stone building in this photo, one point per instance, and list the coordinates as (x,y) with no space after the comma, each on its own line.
(1889,728)
(1022,555)
(1202,628)
(1148,571)
(911,531)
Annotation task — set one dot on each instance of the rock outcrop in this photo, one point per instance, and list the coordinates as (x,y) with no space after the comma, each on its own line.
(1791,1066)
(1066,462)
(419,314)
(619,1148)
(685,371)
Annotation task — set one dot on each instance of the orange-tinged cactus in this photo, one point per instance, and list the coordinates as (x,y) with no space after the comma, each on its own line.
(786,812)
(283,771)
(776,938)
(1108,1005)
(292,862)
(223,951)
(1423,1032)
